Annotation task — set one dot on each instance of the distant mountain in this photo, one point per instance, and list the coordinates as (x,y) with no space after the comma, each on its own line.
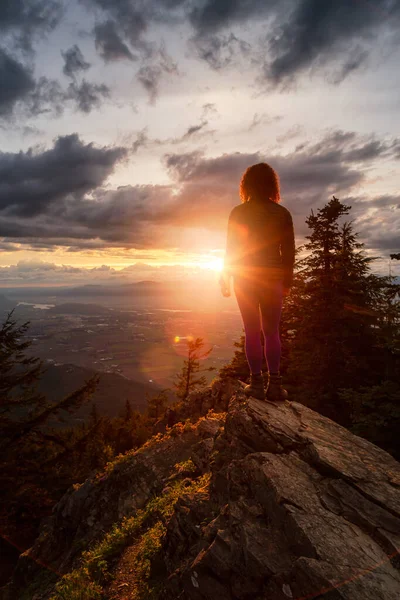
(74,308)
(134,289)
(6,304)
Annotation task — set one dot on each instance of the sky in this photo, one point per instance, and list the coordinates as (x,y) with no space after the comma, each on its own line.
(125,127)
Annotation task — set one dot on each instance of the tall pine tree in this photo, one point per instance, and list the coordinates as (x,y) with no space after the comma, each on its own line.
(334,316)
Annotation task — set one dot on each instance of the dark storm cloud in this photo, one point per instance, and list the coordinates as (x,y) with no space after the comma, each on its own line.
(301,33)
(125,29)
(16,83)
(126,23)
(22,96)
(109,44)
(129,217)
(31,184)
(58,197)
(309,176)
(26,19)
(74,61)
(220,51)
(127,15)
(213,15)
(316,32)
(87,96)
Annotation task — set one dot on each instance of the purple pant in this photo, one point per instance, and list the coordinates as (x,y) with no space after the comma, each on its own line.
(260,304)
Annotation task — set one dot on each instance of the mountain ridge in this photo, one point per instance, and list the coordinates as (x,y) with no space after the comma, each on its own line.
(281,502)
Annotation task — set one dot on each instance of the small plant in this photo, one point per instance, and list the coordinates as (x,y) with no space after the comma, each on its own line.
(186,466)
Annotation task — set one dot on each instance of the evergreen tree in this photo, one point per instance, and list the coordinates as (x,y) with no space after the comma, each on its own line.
(333,315)
(94,415)
(128,411)
(98,447)
(188,379)
(18,372)
(375,409)
(35,462)
(156,405)
(238,367)
(375,414)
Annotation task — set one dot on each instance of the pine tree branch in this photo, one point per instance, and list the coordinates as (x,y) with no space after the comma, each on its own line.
(72,401)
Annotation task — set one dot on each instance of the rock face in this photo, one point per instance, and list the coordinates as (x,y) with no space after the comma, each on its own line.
(303,509)
(297,507)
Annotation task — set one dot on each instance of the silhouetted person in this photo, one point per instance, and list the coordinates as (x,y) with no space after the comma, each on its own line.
(259,256)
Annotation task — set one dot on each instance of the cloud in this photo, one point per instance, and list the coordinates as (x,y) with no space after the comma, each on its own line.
(74,61)
(125,28)
(289,38)
(291,133)
(24,20)
(309,176)
(262,120)
(31,183)
(16,83)
(300,34)
(46,97)
(140,139)
(58,197)
(109,44)
(150,75)
(87,96)
(23,96)
(220,51)
(126,23)
(378,221)
(194,129)
(214,15)
(318,32)
(37,272)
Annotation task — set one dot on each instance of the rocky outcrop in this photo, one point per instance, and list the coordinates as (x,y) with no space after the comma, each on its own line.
(86,512)
(216,397)
(297,507)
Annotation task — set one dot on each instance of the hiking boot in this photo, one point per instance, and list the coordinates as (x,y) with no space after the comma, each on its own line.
(256,387)
(275,391)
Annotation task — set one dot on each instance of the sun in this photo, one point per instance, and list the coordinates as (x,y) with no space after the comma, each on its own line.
(215,264)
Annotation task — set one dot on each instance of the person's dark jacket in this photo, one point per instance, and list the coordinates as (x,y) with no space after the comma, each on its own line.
(260,240)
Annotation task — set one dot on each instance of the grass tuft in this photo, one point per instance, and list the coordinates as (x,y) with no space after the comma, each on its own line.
(145,531)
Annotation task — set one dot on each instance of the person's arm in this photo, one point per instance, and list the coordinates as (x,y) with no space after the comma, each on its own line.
(230,256)
(231,245)
(288,251)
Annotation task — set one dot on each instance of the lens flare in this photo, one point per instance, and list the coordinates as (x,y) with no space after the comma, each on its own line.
(214,264)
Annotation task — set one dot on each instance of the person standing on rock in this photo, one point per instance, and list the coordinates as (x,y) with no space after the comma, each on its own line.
(259,256)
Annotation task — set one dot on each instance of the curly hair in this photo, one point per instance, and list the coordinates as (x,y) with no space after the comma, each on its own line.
(260,182)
